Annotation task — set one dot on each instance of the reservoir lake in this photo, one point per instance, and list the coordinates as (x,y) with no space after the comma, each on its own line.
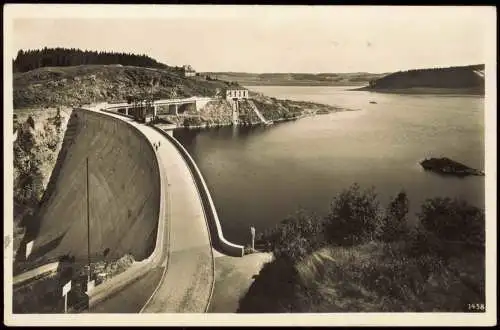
(260,175)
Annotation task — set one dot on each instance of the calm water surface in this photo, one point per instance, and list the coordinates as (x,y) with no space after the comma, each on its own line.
(258,176)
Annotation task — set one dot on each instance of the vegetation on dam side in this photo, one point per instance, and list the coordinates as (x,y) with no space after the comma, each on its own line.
(362,257)
(453,79)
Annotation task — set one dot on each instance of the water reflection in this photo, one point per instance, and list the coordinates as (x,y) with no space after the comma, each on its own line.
(262,174)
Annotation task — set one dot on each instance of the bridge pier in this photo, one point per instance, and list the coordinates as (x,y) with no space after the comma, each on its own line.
(173,109)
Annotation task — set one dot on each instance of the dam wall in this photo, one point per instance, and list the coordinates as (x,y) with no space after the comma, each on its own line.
(124,193)
(218,241)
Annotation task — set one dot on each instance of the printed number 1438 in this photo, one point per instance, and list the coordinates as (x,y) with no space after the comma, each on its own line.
(476,307)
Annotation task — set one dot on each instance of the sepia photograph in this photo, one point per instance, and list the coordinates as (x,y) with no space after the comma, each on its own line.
(249,165)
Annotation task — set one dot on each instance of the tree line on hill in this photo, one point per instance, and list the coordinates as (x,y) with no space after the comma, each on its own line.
(451,77)
(27,60)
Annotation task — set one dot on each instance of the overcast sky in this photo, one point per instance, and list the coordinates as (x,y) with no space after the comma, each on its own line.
(270,38)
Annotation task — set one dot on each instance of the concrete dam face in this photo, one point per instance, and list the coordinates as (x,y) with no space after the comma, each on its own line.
(124,193)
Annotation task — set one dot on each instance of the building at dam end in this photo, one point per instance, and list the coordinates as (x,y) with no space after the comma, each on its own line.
(232,94)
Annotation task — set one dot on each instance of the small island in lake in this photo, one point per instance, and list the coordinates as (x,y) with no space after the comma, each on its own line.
(447,166)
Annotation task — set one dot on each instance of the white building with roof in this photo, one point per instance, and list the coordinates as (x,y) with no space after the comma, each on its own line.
(237,93)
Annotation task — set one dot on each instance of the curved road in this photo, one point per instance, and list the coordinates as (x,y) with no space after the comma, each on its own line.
(181,278)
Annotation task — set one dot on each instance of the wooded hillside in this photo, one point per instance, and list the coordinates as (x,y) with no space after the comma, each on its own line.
(49,57)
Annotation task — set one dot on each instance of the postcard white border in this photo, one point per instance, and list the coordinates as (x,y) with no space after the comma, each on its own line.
(16,11)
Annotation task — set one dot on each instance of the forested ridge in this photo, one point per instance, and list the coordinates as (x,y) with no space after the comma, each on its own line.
(27,60)
(452,77)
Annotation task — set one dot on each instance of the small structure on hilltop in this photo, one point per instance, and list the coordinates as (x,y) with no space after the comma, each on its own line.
(189,71)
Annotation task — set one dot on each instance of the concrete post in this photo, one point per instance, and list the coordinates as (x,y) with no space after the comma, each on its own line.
(176,109)
(29,247)
(65,303)
(126,111)
(252,231)
(66,288)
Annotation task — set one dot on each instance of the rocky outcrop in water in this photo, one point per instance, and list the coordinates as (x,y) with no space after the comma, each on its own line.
(447,166)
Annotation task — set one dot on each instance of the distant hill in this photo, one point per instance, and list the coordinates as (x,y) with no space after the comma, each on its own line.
(298,79)
(73,85)
(463,78)
(50,57)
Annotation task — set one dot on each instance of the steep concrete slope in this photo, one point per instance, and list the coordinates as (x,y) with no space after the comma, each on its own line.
(124,193)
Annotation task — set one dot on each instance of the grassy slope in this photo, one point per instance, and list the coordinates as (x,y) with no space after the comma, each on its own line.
(298,79)
(55,86)
(373,277)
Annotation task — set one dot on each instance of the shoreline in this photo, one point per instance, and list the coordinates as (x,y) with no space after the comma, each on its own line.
(281,120)
(423,90)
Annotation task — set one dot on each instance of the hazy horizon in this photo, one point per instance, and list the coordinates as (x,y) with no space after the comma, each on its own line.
(269,39)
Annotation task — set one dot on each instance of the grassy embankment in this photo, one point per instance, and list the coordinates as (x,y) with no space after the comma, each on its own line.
(364,258)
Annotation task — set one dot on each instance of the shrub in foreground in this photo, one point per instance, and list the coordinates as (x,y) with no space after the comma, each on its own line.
(360,258)
(454,220)
(354,217)
(298,236)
